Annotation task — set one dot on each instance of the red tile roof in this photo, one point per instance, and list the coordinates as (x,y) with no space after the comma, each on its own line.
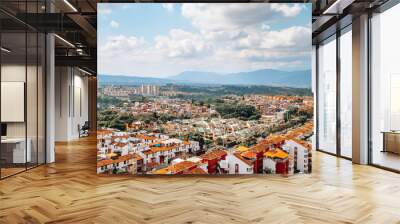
(145,137)
(247,161)
(152,164)
(196,170)
(214,154)
(137,157)
(112,161)
(181,167)
(119,144)
(249,155)
(276,153)
(303,143)
(104,132)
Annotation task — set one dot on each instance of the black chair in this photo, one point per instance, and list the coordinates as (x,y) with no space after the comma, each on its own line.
(84,130)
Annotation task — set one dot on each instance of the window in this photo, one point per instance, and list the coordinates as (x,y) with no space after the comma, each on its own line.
(346,93)
(385,89)
(327,95)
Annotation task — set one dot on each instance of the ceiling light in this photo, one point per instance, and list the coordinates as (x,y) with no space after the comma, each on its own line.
(5,50)
(64,40)
(337,7)
(84,71)
(70,5)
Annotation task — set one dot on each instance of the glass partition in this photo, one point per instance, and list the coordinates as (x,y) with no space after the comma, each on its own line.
(22,88)
(346,93)
(385,89)
(327,96)
(13,94)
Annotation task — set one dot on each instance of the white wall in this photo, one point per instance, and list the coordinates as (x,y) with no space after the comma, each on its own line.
(71,102)
(16,73)
(11,73)
(233,160)
(33,127)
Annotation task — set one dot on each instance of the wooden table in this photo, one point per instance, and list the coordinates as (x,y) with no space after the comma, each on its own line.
(391,141)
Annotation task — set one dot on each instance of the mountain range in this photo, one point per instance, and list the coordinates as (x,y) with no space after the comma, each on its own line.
(270,77)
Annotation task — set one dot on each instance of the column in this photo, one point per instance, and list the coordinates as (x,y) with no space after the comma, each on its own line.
(360,90)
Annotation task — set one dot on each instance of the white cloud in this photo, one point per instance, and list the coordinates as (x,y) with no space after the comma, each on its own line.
(288,10)
(227,38)
(292,37)
(212,17)
(114,24)
(168,6)
(121,46)
(295,37)
(288,44)
(181,43)
(104,10)
(265,26)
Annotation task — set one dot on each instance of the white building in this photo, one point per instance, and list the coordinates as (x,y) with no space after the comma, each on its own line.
(164,150)
(124,163)
(237,164)
(299,151)
(269,165)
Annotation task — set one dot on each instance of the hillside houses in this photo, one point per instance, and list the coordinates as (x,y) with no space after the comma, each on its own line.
(150,150)
(155,153)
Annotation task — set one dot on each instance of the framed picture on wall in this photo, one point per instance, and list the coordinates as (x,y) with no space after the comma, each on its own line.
(211,88)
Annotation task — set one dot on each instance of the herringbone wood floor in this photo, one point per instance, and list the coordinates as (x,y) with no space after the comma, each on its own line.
(69,191)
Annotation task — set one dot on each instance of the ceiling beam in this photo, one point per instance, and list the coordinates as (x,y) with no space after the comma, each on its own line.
(86,26)
(337,7)
(77,61)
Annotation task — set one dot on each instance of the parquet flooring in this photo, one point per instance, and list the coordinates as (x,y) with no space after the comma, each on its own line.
(69,191)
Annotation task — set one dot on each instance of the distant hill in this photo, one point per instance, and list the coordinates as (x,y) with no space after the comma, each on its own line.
(269,77)
(131,80)
(259,77)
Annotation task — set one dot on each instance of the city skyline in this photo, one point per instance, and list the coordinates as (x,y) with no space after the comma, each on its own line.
(178,37)
(173,129)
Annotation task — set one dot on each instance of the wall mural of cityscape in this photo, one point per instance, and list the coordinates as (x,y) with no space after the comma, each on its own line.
(204,88)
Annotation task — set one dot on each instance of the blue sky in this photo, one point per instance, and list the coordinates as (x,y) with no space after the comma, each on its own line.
(160,40)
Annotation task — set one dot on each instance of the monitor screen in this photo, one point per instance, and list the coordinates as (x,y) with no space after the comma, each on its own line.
(3,129)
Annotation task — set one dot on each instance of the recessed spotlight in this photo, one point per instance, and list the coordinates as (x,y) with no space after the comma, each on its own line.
(84,71)
(64,40)
(5,50)
(70,5)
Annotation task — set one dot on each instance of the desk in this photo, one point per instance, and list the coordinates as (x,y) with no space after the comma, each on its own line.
(13,150)
(391,141)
